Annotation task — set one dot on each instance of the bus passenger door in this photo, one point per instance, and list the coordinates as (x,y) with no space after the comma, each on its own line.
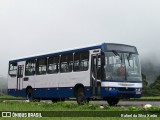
(96,74)
(19,79)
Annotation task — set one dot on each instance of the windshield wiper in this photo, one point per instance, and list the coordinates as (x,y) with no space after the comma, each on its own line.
(128,58)
(116,53)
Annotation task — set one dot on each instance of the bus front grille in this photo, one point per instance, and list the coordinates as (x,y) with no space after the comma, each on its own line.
(126,89)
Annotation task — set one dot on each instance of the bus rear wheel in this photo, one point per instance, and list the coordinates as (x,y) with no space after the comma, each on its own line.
(80,96)
(55,100)
(113,101)
(29,95)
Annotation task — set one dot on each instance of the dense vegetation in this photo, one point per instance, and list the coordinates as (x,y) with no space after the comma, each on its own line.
(152,89)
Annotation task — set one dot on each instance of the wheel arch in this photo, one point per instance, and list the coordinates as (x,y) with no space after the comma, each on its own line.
(27,88)
(79,85)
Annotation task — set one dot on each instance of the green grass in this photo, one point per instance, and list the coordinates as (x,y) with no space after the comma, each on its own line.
(9,97)
(12,97)
(150,97)
(40,106)
(65,106)
(145,98)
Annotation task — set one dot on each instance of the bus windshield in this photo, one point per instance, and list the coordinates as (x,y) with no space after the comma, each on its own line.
(122,66)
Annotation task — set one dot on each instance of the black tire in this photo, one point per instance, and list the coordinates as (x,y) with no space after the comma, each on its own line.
(80,96)
(29,94)
(87,100)
(55,100)
(62,99)
(113,101)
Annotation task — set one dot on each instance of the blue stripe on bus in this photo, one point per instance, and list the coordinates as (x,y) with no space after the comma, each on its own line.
(63,92)
(67,92)
(14,92)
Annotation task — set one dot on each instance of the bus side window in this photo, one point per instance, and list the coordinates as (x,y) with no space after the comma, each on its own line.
(30,67)
(66,63)
(41,66)
(76,61)
(53,65)
(12,69)
(84,61)
(81,60)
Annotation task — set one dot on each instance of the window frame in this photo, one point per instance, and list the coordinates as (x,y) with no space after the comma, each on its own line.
(13,75)
(81,60)
(38,72)
(55,58)
(33,61)
(69,59)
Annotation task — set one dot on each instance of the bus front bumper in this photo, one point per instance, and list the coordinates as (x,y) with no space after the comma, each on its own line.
(122,93)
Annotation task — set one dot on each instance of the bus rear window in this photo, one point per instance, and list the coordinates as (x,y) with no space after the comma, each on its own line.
(13,69)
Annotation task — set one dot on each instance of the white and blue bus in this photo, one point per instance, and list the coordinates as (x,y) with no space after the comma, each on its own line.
(108,71)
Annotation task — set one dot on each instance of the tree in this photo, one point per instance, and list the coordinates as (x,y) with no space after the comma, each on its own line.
(145,85)
(155,87)
(144,81)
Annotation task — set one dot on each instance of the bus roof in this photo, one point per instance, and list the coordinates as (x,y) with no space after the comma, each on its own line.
(57,53)
(104,47)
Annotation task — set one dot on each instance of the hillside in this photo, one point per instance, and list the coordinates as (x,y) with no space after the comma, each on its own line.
(151,70)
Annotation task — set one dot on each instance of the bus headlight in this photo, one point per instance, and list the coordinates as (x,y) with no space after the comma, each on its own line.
(138,89)
(110,88)
(113,88)
(106,88)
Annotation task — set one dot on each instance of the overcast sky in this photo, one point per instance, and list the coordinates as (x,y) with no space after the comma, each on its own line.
(31,27)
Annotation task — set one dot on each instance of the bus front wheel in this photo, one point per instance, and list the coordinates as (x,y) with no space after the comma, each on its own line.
(113,101)
(55,100)
(80,96)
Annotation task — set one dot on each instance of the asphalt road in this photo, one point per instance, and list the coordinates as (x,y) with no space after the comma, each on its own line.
(139,103)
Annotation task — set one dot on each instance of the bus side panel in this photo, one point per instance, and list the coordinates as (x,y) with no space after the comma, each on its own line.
(46,86)
(66,92)
(46,93)
(12,86)
(29,82)
(69,80)
(12,92)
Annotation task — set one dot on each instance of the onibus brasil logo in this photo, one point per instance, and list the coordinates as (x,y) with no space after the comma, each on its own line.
(21,114)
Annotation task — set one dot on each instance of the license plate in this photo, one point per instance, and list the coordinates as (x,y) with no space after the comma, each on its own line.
(138,92)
